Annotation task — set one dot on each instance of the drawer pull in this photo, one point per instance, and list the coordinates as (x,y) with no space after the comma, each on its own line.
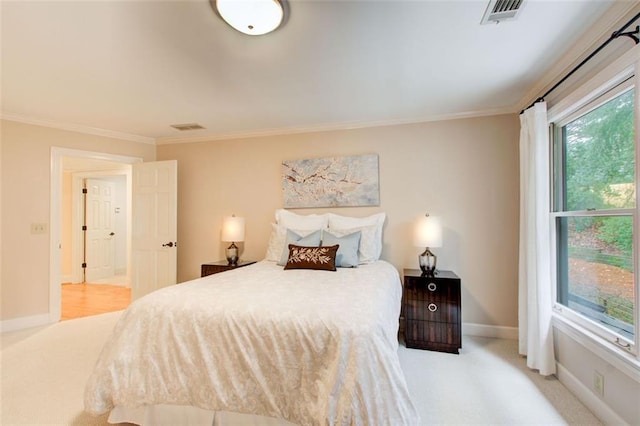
(432,307)
(431,286)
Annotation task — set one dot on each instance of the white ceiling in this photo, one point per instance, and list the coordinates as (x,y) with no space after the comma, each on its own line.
(136,67)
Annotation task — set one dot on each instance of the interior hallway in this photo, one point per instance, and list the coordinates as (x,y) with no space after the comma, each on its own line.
(86,299)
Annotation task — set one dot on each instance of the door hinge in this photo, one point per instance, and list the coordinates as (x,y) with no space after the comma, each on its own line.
(84,227)
(84,190)
(84,265)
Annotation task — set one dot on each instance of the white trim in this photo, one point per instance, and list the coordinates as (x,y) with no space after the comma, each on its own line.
(67,279)
(495,331)
(599,32)
(77,128)
(55,220)
(612,75)
(622,360)
(588,398)
(24,322)
(330,127)
(251,133)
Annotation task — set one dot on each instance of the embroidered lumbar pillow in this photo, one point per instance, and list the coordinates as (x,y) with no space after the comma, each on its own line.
(319,258)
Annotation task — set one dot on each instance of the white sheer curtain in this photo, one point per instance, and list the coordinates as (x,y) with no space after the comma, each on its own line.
(534,309)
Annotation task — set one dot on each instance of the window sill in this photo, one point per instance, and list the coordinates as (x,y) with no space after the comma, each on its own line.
(624,361)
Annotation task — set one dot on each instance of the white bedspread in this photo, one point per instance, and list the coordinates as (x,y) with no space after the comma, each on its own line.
(310,347)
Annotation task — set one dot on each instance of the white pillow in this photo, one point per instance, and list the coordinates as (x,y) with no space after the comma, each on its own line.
(371,229)
(297,221)
(278,238)
(343,222)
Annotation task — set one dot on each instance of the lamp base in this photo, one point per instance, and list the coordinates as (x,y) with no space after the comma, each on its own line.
(427,261)
(232,254)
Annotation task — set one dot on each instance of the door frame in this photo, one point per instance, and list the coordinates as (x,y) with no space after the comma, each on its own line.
(55,218)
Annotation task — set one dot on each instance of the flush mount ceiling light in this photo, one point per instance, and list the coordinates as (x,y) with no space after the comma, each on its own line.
(253,17)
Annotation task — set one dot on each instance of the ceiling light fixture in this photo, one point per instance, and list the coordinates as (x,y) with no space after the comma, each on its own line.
(253,17)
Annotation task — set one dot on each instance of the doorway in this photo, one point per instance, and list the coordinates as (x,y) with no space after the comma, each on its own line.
(96,202)
(95,222)
(70,169)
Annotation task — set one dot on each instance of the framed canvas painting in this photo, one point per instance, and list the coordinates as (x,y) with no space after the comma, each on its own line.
(331,182)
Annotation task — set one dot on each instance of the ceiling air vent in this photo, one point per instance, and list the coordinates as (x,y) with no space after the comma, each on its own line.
(501,10)
(188,126)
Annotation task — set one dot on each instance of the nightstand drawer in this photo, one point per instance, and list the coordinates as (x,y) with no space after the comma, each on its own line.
(432,335)
(438,309)
(431,288)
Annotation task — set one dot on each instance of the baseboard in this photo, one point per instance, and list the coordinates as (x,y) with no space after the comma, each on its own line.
(596,405)
(67,279)
(24,322)
(496,331)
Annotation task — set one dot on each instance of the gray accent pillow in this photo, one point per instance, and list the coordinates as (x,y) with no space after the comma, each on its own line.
(347,256)
(311,240)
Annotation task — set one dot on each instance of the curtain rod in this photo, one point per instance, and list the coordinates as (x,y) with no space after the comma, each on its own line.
(615,35)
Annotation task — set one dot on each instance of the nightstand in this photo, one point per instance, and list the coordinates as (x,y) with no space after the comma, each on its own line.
(221,266)
(432,311)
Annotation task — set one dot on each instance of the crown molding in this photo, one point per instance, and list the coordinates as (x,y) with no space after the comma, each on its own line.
(597,34)
(331,127)
(77,128)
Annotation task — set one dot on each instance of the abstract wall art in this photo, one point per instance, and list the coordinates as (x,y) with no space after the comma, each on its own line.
(331,182)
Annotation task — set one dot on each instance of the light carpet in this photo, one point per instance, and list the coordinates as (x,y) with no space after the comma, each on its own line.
(44,371)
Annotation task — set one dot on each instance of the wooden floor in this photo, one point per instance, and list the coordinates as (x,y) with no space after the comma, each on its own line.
(83,300)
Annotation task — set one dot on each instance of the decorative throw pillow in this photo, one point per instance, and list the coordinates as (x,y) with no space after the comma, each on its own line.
(370,242)
(371,228)
(311,240)
(318,258)
(277,241)
(347,256)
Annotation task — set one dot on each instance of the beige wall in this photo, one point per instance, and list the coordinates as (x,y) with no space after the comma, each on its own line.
(26,171)
(465,171)
(577,364)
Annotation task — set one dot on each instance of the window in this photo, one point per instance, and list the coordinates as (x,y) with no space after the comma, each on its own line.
(595,214)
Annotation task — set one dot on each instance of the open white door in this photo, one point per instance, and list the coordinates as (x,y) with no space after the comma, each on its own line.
(99,242)
(154,227)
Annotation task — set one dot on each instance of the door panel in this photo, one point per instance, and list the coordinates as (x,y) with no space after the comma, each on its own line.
(154,202)
(99,242)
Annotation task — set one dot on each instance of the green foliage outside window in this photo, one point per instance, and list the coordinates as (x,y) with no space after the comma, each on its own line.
(600,168)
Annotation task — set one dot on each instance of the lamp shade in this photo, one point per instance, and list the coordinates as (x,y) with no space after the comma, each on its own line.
(428,232)
(233,229)
(253,17)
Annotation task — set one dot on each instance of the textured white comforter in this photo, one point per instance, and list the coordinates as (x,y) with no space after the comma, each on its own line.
(310,347)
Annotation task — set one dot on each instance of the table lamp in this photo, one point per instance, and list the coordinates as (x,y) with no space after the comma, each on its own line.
(232,231)
(428,234)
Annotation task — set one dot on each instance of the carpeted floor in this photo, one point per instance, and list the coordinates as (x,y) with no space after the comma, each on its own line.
(44,371)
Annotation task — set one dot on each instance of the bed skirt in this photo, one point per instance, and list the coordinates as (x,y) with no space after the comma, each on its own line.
(171,415)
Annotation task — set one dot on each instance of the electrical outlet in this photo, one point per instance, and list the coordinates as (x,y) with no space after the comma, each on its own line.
(598,383)
(38,228)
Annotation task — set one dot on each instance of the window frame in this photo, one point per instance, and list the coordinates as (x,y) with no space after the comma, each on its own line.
(610,83)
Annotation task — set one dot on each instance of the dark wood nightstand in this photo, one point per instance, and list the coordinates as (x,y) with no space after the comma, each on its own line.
(432,311)
(221,266)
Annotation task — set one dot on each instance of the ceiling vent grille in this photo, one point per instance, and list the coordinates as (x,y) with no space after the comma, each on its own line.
(188,126)
(502,10)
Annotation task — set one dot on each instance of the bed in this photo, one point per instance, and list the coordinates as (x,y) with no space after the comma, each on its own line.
(283,346)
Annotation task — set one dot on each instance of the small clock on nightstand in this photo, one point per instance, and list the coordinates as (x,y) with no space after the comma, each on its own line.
(432,311)
(221,266)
